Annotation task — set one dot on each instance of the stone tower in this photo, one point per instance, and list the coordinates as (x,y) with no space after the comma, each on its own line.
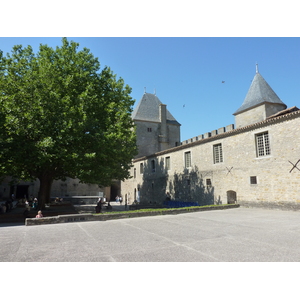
(260,102)
(156,128)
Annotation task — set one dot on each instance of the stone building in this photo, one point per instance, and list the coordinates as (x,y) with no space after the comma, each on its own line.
(156,128)
(256,162)
(70,189)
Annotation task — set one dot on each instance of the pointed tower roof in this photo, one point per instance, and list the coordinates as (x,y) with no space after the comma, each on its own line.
(148,110)
(259,92)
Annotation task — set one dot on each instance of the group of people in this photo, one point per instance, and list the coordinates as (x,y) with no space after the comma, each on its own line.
(119,199)
(102,200)
(6,206)
(34,205)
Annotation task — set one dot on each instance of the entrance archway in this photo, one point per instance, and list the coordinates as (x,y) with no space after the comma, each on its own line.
(231,197)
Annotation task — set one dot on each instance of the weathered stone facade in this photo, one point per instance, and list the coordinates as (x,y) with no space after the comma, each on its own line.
(254,164)
(62,189)
(156,128)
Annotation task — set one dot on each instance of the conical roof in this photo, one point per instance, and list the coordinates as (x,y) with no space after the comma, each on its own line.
(259,92)
(148,110)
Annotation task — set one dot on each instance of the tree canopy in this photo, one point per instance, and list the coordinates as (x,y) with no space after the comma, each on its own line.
(62,116)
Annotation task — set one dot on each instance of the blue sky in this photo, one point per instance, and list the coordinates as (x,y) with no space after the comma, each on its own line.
(187,73)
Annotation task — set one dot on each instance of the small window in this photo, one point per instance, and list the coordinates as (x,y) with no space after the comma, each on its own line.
(187,159)
(153,165)
(253,180)
(208,182)
(141,168)
(218,154)
(134,172)
(167,160)
(149,129)
(262,144)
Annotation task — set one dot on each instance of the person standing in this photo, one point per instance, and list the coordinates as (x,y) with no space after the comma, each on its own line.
(120,199)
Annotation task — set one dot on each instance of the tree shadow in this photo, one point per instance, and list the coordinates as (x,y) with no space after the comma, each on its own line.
(160,184)
(155,179)
(189,186)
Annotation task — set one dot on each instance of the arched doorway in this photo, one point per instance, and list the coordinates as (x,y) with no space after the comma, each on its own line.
(231,197)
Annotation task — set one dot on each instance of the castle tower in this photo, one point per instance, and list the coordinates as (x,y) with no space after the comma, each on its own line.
(260,102)
(156,128)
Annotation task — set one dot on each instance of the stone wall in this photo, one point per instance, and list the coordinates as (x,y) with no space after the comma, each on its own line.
(276,179)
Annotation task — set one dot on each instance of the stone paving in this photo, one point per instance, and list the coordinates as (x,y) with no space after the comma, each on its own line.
(234,235)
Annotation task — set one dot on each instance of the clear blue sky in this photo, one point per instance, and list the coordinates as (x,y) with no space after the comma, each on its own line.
(187,73)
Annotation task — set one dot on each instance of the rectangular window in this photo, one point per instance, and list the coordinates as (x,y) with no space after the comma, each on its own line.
(262,144)
(168,163)
(253,180)
(208,182)
(141,168)
(187,159)
(134,172)
(149,129)
(218,154)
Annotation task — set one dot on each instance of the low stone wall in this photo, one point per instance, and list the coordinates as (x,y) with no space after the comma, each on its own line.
(121,215)
(282,205)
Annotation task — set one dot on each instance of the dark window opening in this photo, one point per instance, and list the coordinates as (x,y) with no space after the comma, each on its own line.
(253,180)
(208,182)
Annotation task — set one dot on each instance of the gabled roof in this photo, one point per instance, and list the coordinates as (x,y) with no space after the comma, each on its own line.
(148,110)
(259,92)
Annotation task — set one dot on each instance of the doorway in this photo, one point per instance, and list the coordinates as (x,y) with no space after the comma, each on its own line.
(22,191)
(231,197)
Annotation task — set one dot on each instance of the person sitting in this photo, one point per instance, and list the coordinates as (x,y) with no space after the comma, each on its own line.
(39,215)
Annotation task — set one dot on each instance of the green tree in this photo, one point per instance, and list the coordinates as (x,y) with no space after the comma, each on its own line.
(61,116)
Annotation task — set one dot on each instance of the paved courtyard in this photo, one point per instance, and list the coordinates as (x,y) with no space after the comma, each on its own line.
(233,235)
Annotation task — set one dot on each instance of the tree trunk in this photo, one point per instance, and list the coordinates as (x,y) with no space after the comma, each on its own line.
(46,180)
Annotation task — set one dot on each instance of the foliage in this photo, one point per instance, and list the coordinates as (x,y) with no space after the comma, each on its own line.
(61,116)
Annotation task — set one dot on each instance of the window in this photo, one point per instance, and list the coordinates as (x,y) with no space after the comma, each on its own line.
(153,165)
(167,160)
(218,154)
(253,180)
(208,182)
(187,159)
(149,129)
(262,144)
(134,172)
(141,168)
